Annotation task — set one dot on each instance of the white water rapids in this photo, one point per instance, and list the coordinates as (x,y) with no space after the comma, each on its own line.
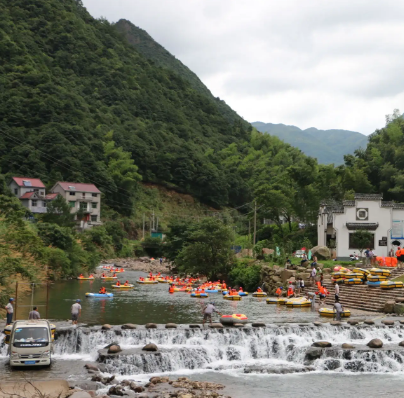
(184,350)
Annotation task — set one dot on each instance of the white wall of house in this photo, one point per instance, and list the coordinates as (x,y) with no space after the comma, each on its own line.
(20,191)
(35,205)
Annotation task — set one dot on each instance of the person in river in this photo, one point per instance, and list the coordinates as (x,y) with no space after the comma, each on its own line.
(279,291)
(312,297)
(102,290)
(208,311)
(76,311)
(171,288)
(34,314)
(126,283)
(338,310)
(118,283)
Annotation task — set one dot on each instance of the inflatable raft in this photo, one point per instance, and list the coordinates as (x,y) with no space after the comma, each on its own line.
(130,286)
(109,278)
(390,284)
(85,279)
(182,289)
(373,284)
(259,294)
(211,291)
(200,295)
(298,302)
(242,294)
(147,282)
(362,271)
(232,297)
(353,281)
(283,300)
(232,319)
(377,278)
(330,313)
(272,300)
(162,280)
(380,272)
(99,295)
(354,275)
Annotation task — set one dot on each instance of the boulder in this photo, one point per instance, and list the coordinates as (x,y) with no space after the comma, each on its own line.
(327,271)
(128,326)
(194,326)
(258,325)
(399,299)
(275,278)
(106,327)
(318,323)
(399,308)
(139,389)
(90,366)
(321,252)
(132,385)
(335,323)
(389,306)
(387,322)
(369,322)
(292,279)
(352,322)
(114,349)
(320,266)
(286,274)
(401,322)
(375,343)
(401,343)
(151,326)
(313,353)
(116,390)
(216,326)
(347,346)
(321,344)
(238,325)
(150,347)
(171,326)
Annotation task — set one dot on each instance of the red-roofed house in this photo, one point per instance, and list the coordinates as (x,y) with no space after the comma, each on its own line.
(80,196)
(31,192)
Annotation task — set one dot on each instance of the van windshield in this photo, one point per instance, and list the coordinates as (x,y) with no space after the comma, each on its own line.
(31,337)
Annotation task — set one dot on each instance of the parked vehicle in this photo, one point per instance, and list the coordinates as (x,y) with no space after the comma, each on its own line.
(30,343)
(299,253)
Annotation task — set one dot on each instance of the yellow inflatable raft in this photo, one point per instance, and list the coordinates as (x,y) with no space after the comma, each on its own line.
(362,271)
(147,282)
(380,272)
(354,275)
(390,284)
(130,286)
(109,278)
(376,278)
(282,300)
(299,302)
(330,313)
(233,298)
(162,280)
(85,279)
(259,294)
(272,300)
(353,281)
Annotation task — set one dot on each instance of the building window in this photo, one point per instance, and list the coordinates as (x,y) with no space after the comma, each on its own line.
(83,205)
(370,245)
(34,203)
(94,205)
(36,190)
(42,192)
(84,195)
(16,191)
(72,193)
(94,218)
(94,195)
(72,203)
(44,204)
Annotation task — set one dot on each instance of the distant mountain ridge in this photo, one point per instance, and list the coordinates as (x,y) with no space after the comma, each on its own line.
(327,146)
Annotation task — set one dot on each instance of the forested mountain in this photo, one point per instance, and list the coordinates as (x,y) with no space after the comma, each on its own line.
(79,103)
(155,52)
(327,146)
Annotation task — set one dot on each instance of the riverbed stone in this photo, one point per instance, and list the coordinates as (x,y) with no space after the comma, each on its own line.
(347,346)
(139,389)
(238,325)
(129,326)
(321,252)
(80,394)
(114,349)
(194,326)
(399,299)
(216,326)
(171,326)
(389,306)
(352,322)
(258,325)
(321,344)
(150,347)
(116,390)
(151,326)
(318,323)
(107,326)
(387,322)
(90,366)
(375,343)
(369,322)
(313,353)
(335,323)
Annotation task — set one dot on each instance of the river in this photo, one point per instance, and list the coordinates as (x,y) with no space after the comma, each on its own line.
(247,360)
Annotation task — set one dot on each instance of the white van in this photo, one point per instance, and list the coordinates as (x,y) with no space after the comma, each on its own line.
(30,342)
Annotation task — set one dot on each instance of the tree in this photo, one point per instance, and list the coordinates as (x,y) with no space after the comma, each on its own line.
(59,212)
(208,251)
(362,240)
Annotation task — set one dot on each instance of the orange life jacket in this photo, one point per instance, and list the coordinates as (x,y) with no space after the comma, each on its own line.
(278,291)
(290,291)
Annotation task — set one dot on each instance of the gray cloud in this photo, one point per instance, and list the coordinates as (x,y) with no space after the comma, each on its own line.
(327,64)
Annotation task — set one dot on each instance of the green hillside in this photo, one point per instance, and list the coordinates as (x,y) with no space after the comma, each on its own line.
(327,146)
(155,52)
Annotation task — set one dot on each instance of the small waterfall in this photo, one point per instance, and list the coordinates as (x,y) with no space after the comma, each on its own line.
(221,349)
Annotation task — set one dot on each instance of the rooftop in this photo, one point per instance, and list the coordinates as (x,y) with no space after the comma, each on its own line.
(29,182)
(78,187)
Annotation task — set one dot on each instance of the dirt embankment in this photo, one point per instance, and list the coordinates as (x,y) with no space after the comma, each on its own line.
(140,264)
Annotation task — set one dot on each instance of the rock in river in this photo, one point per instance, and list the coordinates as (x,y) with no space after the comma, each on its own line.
(150,347)
(128,326)
(375,343)
(321,344)
(114,349)
(151,326)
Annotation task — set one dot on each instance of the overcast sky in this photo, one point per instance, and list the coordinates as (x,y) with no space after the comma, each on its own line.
(310,63)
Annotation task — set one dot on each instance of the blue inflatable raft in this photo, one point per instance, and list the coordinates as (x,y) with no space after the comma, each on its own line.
(373,284)
(99,295)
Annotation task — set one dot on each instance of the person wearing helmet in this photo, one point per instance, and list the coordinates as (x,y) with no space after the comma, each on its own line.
(10,311)
(208,311)
(76,311)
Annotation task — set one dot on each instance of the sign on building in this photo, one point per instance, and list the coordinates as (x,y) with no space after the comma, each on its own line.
(397,230)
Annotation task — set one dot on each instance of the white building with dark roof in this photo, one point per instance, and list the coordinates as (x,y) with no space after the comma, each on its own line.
(384,220)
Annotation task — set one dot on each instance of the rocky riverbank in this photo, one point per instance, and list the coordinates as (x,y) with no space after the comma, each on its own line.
(144,264)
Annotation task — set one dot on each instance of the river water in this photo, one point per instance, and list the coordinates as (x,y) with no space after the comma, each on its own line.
(247,360)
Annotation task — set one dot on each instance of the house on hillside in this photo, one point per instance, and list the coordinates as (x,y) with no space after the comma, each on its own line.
(383,219)
(31,192)
(84,197)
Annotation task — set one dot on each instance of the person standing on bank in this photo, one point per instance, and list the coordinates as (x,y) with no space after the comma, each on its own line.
(338,310)
(336,287)
(76,311)
(10,311)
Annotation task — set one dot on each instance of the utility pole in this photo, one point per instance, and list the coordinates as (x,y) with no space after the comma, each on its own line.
(255,222)
(157,224)
(249,231)
(143,225)
(153,222)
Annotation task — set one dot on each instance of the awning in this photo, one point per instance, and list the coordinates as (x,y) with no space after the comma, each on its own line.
(372,226)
